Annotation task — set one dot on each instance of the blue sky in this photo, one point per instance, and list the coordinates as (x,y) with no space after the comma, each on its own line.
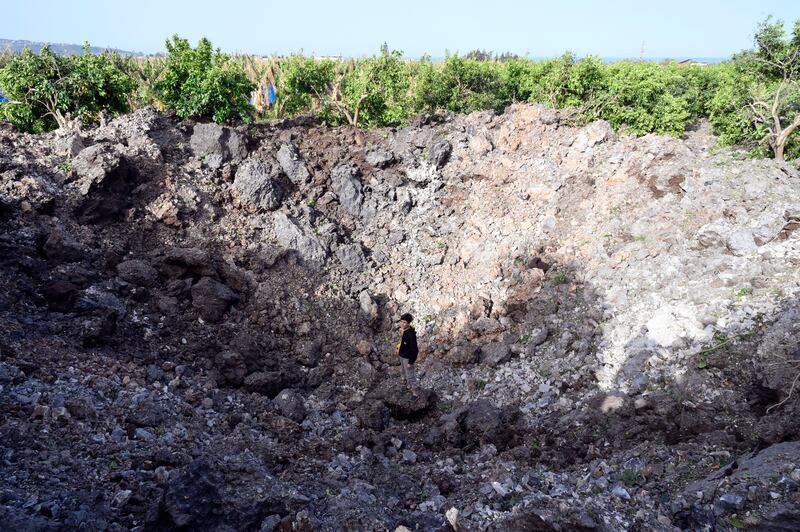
(611,28)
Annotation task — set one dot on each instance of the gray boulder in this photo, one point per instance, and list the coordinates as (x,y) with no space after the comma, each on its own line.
(212,299)
(742,243)
(137,272)
(380,158)
(495,353)
(464,354)
(347,187)
(257,185)
(440,153)
(291,236)
(290,404)
(69,145)
(369,308)
(352,257)
(216,145)
(293,164)
(104,182)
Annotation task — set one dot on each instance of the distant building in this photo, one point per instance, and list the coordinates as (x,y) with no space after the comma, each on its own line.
(691,62)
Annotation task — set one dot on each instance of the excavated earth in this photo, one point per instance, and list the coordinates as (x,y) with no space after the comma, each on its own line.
(197,326)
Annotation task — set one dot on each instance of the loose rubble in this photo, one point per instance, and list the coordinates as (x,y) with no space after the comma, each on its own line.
(197,326)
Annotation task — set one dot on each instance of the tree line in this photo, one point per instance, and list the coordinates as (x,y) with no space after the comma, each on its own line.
(752,100)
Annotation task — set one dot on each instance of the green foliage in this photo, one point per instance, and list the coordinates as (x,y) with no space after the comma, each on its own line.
(630,477)
(757,102)
(48,88)
(371,92)
(735,522)
(560,277)
(145,72)
(646,98)
(460,85)
(752,101)
(743,293)
(201,82)
(301,82)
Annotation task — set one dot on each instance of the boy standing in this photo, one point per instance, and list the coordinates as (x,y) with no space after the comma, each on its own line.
(407,350)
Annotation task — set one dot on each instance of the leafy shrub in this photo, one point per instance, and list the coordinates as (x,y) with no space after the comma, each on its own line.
(460,85)
(47,89)
(757,103)
(301,82)
(646,98)
(201,82)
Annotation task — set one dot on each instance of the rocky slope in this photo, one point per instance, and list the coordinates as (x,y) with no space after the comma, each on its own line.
(196,328)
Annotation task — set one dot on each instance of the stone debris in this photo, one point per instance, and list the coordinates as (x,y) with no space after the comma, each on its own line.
(198,328)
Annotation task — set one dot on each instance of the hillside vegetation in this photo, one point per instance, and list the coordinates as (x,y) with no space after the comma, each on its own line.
(751,100)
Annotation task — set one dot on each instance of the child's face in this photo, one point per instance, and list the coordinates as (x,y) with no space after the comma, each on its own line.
(403,324)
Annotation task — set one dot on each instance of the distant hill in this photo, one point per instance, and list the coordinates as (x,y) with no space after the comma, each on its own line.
(8,45)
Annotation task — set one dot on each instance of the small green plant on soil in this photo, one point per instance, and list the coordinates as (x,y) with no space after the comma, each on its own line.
(720,340)
(629,477)
(65,166)
(560,277)
(735,522)
(743,293)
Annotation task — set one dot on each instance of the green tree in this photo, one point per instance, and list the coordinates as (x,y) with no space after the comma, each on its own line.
(201,82)
(461,85)
(758,100)
(646,98)
(302,83)
(47,90)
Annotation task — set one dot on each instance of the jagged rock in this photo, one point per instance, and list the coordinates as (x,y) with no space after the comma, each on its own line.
(422,174)
(193,499)
(178,262)
(477,422)
(69,145)
(368,306)
(592,134)
(145,412)
(402,404)
(217,145)
(18,519)
(29,192)
(464,354)
(747,481)
(212,299)
(290,404)
(96,298)
(346,185)
(379,158)
(61,246)
(293,164)
(495,353)
(291,236)
(231,366)
(486,326)
(257,185)
(440,153)
(741,242)
(352,257)
(269,383)
(310,353)
(105,179)
(137,272)
(672,323)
